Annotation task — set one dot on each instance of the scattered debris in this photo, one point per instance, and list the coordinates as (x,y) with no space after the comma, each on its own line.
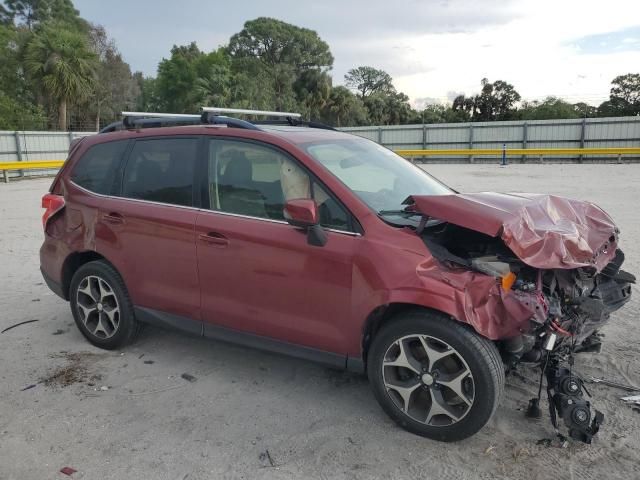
(29,387)
(59,332)
(610,383)
(489,449)
(149,362)
(74,372)
(545,442)
(68,470)
(18,324)
(104,388)
(141,355)
(188,378)
(520,452)
(267,456)
(139,394)
(35,300)
(633,399)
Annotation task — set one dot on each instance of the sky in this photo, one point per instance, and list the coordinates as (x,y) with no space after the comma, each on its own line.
(433,49)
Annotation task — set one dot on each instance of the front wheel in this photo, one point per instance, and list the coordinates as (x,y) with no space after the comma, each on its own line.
(435,377)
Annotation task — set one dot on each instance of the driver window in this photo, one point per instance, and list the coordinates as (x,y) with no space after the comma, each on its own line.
(255,180)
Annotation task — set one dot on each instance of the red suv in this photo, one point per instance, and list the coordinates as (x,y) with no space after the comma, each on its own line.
(302,240)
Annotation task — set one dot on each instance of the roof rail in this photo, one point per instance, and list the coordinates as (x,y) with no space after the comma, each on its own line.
(159,115)
(251,112)
(212,119)
(209,116)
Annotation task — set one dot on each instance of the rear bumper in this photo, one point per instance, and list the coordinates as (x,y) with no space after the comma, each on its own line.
(53,285)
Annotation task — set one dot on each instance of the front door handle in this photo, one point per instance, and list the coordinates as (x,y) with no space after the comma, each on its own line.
(113,218)
(214,238)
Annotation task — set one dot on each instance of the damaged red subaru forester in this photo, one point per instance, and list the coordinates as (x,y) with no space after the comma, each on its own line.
(296,238)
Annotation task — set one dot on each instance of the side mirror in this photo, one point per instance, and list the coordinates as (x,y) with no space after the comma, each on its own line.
(303,213)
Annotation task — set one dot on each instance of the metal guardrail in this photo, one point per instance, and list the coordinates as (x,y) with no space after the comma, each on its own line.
(28,165)
(468,152)
(474,152)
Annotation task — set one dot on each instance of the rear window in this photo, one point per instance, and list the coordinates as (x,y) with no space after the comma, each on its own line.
(97,168)
(161,170)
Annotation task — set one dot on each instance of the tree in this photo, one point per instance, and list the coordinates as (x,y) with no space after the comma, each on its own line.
(464,107)
(344,109)
(388,108)
(495,101)
(279,52)
(548,109)
(35,12)
(585,110)
(114,89)
(18,110)
(312,89)
(62,62)
(148,99)
(191,77)
(368,81)
(437,113)
(624,97)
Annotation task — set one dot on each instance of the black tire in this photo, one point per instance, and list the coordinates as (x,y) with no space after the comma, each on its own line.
(127,326)
(482,361)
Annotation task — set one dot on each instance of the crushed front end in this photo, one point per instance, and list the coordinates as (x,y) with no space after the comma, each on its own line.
(540,275)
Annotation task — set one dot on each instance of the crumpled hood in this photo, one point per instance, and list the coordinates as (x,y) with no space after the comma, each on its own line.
(544,231)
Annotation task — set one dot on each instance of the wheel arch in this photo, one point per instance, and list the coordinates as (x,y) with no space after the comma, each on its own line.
(382,314)
(73,262)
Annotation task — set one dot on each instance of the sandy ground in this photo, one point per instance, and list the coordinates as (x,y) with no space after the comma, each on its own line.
(255,415)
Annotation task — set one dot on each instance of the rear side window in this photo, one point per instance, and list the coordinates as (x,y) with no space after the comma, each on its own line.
(97,168)
(161,170)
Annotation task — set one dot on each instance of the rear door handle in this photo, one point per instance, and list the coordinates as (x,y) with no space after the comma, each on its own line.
(113,218)
(214,238)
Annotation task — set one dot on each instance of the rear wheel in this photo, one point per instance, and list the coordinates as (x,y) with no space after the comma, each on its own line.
(435,377)
(101,306)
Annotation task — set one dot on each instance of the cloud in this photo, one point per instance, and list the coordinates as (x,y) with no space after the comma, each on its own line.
(432,48)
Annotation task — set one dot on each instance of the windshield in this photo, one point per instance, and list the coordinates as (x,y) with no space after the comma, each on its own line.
(381,178)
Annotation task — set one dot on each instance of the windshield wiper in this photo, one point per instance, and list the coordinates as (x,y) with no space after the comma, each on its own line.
(403,213)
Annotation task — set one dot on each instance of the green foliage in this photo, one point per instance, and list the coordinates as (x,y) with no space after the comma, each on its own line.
(52,60)
(548,109)
(624,98)
(33,13)
(19,115)
(344,109)
(62,63)
(278,54)
(312,89)
(495,101)
(191,78)
(368,81)
(438,113)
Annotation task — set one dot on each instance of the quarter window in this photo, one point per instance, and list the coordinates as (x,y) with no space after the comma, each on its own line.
(255,180)
(97,168)
(161,170)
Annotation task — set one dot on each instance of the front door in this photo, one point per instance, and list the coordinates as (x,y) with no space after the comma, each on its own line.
(257,273)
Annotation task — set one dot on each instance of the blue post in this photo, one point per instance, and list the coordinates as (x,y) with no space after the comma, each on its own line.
(504,155)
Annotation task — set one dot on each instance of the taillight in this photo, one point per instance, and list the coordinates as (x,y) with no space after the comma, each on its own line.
(52,204)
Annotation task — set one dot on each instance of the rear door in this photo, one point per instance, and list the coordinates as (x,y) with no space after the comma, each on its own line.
(147,229)
(257,273)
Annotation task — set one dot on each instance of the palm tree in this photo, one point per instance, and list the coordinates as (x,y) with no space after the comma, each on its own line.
(64,65)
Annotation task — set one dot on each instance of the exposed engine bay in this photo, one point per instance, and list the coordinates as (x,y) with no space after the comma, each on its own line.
(565,309)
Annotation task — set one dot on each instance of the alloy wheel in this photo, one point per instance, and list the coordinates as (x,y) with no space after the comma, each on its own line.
(98,307)
(428,380)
